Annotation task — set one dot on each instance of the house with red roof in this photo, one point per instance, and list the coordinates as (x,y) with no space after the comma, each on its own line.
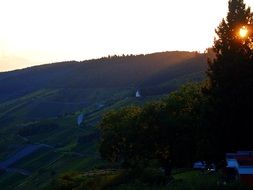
(242,163)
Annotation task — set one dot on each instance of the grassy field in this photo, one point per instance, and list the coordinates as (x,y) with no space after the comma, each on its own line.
(120,180)
(67,153)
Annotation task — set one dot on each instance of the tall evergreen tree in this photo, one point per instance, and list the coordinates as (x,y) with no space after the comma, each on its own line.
(233,53)
(230,76)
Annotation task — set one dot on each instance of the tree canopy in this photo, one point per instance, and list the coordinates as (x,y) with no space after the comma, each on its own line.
(164,131)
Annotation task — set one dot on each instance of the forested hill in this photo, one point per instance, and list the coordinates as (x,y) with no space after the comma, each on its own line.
(57,89)
(140,71)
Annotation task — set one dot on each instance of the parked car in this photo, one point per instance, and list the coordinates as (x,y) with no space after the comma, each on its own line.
(199,165)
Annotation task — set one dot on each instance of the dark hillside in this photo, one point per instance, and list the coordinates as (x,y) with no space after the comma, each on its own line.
(56,89)
(111,72)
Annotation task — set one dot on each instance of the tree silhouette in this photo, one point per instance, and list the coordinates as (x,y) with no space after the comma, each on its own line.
(230,80)
(233,53)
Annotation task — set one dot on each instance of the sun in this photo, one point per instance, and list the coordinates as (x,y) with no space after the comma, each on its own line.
(243,32)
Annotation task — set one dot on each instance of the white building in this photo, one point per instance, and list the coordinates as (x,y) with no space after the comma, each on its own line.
(80,119)
(137,94)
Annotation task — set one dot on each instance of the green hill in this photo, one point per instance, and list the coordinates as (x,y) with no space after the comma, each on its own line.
(40,106)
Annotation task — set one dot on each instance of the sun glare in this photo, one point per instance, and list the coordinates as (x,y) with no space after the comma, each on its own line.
(243,32)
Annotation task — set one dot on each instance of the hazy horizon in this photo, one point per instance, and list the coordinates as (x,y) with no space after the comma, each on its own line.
(41,32)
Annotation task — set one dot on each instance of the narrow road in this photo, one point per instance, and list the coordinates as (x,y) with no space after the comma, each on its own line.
(19,155)
(26,151)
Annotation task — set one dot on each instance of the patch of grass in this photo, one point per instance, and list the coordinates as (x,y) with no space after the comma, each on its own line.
(120,180)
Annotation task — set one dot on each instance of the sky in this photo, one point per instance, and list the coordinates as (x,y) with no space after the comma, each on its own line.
(36,32)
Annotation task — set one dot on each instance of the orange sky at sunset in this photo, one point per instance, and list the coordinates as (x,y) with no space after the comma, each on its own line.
(45,31)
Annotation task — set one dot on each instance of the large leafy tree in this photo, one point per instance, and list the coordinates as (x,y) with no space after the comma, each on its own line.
(164,131)
(230,82)
(118,135)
